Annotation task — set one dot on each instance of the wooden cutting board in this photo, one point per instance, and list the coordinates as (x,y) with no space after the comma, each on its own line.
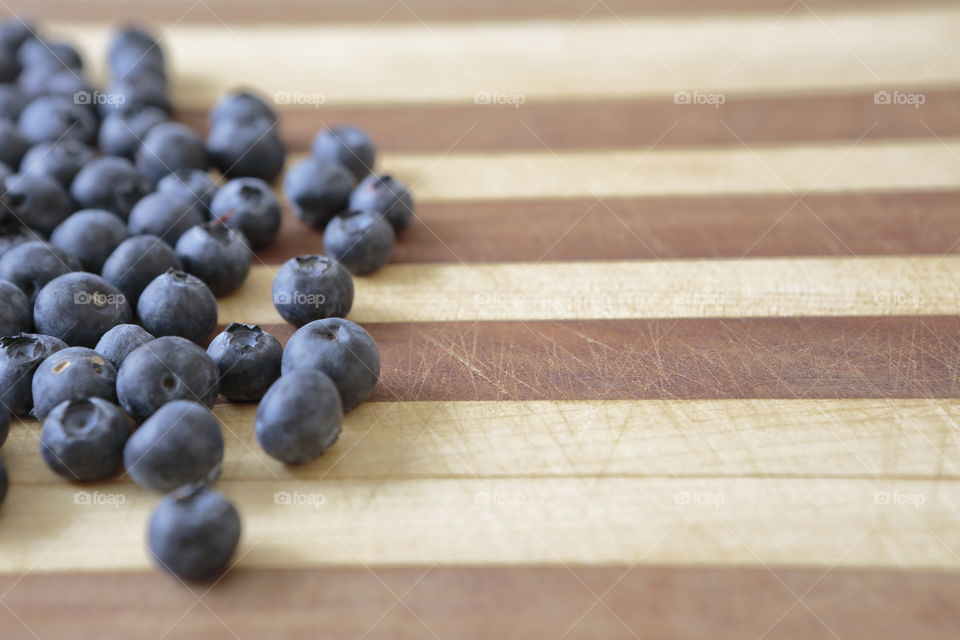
(671,350)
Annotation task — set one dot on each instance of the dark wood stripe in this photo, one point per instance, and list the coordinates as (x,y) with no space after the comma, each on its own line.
(629,123)
(665,228)
(856,357)
(501,602)
(254,11)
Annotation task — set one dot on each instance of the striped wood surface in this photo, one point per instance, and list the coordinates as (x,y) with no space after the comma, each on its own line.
(650,369)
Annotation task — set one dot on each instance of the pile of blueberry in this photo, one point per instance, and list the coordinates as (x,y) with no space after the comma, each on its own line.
(115,242)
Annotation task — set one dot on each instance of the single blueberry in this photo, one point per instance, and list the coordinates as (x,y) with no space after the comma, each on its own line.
(124,129)
(13,145)
(239,105)
(16,314)
(216,254)
(248,359)
(12,101)
(47,53)
(195,185)
(317,190)
(119,342)
(164,370)
(247,147)
(168,147)
(341,349)
(90,236)
(250,206)
(35,200)
(387,196)
(57,117)
(165,215)
(130,48)
(193,533)
(20,355)
(179,444)
(300,416)
(109,183)
(32,265)
(361,241)
(136,262)
(178,304)
(61,160)
(349,146)
(312,287)
(72,374)
(79,308)
(82,439)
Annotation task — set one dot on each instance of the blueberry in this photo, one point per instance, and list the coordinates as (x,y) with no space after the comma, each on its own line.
(46,53)
(249,205)
(72,374)
(299,417)
(178,304)
(16,314)
(4,424)
(216,254)
(13,146)
(32,265)
(248,147)
(109,183)
(312,287)
(79,308)
(60,160)
(163,370)
(20,355)
(387,196)
(14,31)
(133,50)
(165,215)
(123,129)
(145,90)
(195,185)
(117,343)
(179,444)
(136,262)
(90,236)
(317,190)
(349,146)
(341,349)
(35,200)
(239,105)
(362,241)
(83,438)
(9,66)
(248,359)
(14,237)
(170,146)
(57,117)
(193,533)
(12,101)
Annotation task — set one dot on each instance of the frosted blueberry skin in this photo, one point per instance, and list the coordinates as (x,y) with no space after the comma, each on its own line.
(79,308)
(33,264)
(179,444)
(317,190)
(250,206)
(193,533)
(216,254)
(178,304)
(349,146)
(20,356)
(341,349)
(136,262)
(35,200)
(16,313)
(61,160)
(165,215)
(247,147)
(194,185)
(120,341)
(122,131)
(248,359)
(163,370)
(90,236)
(83,439)
(300,417)
(312,287)
(110,183)
(238,105)
(73,373)
(168,147)
(57,117)
(361,241)
(387,196)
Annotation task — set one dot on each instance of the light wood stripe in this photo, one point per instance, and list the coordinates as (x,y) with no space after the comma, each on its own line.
(603,57)
(874,286)
(716,521)
(602,439)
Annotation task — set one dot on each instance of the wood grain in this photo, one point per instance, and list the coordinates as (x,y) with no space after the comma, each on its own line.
(665,228)
(847,286)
